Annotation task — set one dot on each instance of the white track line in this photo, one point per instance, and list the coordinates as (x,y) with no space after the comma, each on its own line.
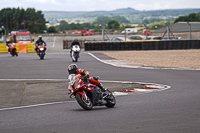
(54,42)
(34,80)
(36,105)
(138,66)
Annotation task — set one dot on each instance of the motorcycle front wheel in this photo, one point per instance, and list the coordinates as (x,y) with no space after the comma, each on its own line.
(42,56)
(85,104)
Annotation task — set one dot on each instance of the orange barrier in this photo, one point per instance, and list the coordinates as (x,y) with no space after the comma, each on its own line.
(22,48)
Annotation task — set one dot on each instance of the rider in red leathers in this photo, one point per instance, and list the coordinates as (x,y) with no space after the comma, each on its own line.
(39,42)
(73,69)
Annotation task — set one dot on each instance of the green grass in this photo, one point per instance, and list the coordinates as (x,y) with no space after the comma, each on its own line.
(34,37)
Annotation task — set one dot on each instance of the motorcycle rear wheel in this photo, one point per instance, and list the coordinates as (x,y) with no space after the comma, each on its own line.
(85,104)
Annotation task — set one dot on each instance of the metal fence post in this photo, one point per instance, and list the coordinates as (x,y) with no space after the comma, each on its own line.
(102,31)
(146,30)
(190,29)
(168,36)
(124,30)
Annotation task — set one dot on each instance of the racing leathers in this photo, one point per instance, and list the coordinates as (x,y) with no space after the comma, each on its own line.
(93,80)
(39,42)
(7,44)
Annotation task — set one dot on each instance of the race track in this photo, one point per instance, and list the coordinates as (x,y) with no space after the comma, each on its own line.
(175,110)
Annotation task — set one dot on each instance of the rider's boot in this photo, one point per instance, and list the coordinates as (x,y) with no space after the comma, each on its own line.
(36,50)
(70,54)
(104,90)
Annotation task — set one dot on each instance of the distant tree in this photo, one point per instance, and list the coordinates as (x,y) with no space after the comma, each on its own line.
(72,26)
(106,19)
(51,29)
(96,26)
(146,21)
(113,24)
(192,17)
(198,16)
(103,19)
(20,19)
(63,25)
(120,19)
(179,19)
(86,26)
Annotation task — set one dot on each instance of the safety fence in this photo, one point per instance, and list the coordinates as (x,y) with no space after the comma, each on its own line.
(142,45)
(21,48)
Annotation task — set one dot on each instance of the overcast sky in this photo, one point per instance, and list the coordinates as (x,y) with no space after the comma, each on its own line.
(94,5)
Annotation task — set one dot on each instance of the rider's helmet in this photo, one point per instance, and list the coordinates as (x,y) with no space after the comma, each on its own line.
(75,40)
(40,37)
(72,68)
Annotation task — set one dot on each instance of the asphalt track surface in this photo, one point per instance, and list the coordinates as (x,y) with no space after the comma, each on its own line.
(176,110)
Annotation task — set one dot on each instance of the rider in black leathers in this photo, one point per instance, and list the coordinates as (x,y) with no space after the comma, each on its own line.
(75,42)
(39,42)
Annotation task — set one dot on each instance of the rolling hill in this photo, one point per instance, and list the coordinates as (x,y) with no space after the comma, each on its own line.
(134,16)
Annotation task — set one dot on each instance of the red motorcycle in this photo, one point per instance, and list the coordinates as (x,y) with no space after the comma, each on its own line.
(89,95)
(41,51)
(12,49)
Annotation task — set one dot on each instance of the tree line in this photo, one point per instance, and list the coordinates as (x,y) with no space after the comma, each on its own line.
(111,25)
(192,17)
(21,19)
(34,21)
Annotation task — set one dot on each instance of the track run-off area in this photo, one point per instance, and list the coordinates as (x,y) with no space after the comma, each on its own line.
(173,110)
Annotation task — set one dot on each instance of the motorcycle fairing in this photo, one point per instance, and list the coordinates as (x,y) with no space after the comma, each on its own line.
(83,94)
(41,47)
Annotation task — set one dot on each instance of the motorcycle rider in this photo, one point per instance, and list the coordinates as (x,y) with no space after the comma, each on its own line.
(73,69)
(75,42)
(8,43)
(39,42)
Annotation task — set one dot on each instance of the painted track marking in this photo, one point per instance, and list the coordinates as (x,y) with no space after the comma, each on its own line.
(54,42)
(127,66)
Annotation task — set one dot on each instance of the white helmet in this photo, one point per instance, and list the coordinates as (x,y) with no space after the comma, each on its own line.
(39,37)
